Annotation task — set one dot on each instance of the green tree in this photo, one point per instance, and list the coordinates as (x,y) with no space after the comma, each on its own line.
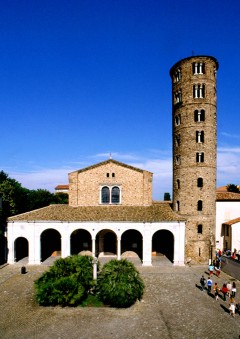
(67,283)
(167,197)
(119,284)
(233,188)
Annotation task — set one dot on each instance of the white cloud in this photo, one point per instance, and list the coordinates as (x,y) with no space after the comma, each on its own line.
(228,165)
(49,178)
(156,161)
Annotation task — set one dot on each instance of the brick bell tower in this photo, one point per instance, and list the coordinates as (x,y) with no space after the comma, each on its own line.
(194,152)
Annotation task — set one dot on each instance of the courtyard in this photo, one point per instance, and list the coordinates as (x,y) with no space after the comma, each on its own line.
(172,307)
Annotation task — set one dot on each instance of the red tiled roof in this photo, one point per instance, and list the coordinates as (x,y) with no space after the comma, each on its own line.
(62,187)
(157,212)
(227,196)
(231,222)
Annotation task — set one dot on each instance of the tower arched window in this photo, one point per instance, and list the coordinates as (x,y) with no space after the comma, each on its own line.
(105,196)
(198,68)
(178,183)
(178,160)
(199,205)
(200,182)
(178,120)
(200,157)
(199,229)
(199,136)
(199,91)
(178,139)
(199,115)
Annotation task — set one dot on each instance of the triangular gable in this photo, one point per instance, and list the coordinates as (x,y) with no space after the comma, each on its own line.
(109,161)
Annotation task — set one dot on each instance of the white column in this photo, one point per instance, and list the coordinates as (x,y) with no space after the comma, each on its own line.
(195,91)
(93,247)
(200,91)
(65,244)
(37,247)
(147,245)
(10,243)
(119,248)
(195,68)
(200,68)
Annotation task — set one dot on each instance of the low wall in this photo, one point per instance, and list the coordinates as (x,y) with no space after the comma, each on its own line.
(231,267)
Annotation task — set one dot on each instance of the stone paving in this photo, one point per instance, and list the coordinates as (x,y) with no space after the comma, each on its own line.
(172,307)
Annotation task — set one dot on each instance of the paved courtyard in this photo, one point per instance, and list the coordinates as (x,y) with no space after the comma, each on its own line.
(172,307)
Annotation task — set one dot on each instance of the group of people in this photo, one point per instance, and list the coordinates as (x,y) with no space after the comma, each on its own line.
(227,290)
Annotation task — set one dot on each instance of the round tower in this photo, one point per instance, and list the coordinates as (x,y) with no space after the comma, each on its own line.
(194,152)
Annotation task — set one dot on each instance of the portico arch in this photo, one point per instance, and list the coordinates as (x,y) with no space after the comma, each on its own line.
(132,241)
(163,244)
(20,248)
(80,240)
(50,243)
(106,241)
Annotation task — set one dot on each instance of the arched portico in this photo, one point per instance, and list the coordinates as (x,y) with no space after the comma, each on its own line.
(106,242)
(80,240)
(20,248)
(50,241)
(163,244)
(132,240)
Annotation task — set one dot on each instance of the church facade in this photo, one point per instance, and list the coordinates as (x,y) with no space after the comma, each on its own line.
(110,207)
(110,212)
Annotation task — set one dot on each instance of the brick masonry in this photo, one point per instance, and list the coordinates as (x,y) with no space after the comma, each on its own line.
(186,170)
(135,185)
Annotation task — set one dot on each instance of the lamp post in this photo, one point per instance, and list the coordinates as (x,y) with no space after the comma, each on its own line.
(94,262)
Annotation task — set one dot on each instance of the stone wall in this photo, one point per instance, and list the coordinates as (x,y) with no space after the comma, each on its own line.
(187,194)
(135,185)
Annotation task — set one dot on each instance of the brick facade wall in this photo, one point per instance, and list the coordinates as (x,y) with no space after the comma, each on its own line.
(85,185)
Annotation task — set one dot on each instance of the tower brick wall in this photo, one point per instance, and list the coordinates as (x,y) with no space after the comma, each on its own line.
(194,151)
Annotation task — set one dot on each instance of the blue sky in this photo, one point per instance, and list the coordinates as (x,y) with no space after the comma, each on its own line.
(83,79)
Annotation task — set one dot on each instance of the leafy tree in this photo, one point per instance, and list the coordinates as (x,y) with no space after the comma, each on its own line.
(119,284)
(67,283)
(233,188)
(61,198)
(39,198)
(167,197)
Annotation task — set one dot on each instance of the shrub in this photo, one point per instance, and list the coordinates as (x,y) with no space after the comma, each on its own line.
(66,283)
(119,284)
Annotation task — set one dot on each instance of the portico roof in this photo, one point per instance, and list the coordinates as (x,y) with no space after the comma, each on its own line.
(157,212)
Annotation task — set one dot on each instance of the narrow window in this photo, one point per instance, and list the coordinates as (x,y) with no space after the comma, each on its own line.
(178,97)
(199,229)
(178,160)
(199,157)
(178,183)
(178,205)
(113,175)
(115,195)
(178,75)
(199,205)
(199,91)
(200,182)
(199,115)
(198,68)
(178,120)
(178,139)
(107,175)
(105,195)
(199,136)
